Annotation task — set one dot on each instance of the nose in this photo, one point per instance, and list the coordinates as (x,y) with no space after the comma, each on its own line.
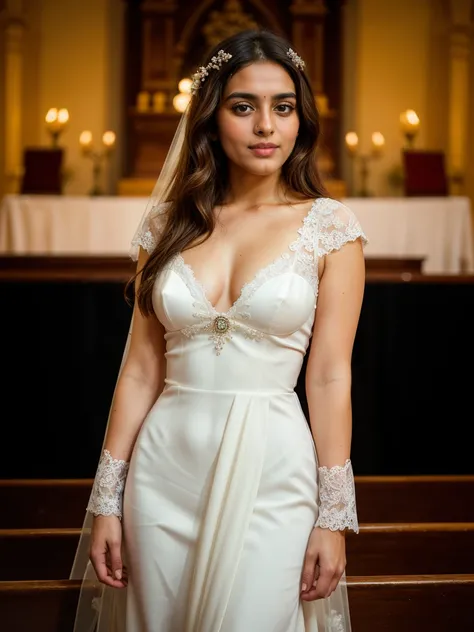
(264,124)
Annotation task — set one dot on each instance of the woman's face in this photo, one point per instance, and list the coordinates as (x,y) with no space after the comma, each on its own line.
(257,119)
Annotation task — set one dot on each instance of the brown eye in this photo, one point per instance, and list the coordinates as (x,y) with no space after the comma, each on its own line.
(285,108)
(241,108)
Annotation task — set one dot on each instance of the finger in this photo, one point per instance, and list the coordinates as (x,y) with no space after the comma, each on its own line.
(309,596)
(307,576)
(115,560)
(98,561)
(324,581)
(317,572)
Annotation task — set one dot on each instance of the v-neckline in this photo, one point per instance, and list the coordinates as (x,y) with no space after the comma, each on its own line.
(284,255)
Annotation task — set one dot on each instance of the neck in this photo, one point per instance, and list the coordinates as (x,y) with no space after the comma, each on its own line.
(252,190)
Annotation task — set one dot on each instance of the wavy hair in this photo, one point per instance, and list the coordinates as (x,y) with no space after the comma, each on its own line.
(200,181)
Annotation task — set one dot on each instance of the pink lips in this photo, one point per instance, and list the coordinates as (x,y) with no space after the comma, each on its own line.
(263,149)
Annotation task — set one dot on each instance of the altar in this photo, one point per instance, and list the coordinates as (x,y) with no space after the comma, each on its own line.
(438,230)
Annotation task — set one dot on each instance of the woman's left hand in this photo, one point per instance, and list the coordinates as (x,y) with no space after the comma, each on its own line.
(324,564)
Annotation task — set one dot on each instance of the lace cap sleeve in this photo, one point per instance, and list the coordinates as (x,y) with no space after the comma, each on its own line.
(337,225)
(149,231)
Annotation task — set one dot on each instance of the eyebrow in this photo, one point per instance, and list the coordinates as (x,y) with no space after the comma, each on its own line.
(254,97)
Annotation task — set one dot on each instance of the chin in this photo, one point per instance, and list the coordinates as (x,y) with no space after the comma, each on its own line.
(262,166)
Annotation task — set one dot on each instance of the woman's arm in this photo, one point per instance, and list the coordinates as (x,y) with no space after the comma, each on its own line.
(139,385)
(328,374)
(328,392)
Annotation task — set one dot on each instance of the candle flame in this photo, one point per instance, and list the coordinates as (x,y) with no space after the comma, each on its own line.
(352,140)
(85,139)
(108,138)
(51,115)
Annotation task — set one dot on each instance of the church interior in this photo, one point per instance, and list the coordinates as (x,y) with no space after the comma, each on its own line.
(91,95)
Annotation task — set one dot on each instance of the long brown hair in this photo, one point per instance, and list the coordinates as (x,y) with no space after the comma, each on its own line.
(200,182)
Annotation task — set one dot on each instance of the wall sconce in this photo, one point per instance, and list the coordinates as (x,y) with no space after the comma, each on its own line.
(56,122)
(352,145)
(410,125)
(97,157)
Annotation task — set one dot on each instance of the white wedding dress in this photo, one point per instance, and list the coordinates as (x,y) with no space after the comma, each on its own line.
(222,489)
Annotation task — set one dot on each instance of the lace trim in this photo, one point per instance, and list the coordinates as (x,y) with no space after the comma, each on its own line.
(337,510)
(337,226)
(152,226)
(302,262)
(109,483)
(146,241)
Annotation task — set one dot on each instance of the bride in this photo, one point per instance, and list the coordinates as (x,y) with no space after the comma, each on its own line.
(216,505)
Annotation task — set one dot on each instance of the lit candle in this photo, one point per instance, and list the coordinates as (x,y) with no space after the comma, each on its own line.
(410,121)
(108,138)
(85,140)
(378,142)
(51,115)
(352,142)
(185,85)
(181,101)
(52,122)
(63,116)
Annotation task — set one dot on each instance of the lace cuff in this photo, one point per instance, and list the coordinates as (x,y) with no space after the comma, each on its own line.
(337,502)
(109,483)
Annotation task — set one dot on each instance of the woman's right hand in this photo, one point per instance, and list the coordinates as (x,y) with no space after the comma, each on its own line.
(105,551)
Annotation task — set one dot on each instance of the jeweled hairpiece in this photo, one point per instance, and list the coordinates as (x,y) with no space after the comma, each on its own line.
(296,59)
(200,75)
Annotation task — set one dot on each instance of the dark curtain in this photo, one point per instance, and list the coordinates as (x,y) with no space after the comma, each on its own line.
(412,377)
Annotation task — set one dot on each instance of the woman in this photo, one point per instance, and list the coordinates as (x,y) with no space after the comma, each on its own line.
(234,511)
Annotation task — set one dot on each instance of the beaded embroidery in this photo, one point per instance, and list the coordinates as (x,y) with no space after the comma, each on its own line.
(200,75)
(296,59)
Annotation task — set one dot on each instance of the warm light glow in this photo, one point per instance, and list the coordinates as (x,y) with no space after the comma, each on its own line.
(352,140)
(185,85)
(85,139)
(378,140)
(51,115)
(63,116)
(409,120)
(108,138)
(181,101)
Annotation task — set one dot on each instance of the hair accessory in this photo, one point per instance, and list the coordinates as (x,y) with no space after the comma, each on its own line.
(296,59)
(200,75)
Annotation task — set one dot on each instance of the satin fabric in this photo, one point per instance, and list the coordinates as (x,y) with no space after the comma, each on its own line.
(222,491)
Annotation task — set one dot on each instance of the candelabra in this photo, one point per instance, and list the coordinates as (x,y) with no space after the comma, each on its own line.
(410,125)
(56,122)
(97,157)
(352,144)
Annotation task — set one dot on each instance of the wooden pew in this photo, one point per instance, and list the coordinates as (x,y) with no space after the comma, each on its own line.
(441,603)
(400,549)
(37,504)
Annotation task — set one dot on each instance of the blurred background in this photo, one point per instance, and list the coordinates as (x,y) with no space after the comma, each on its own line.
(91,92)
(115,65)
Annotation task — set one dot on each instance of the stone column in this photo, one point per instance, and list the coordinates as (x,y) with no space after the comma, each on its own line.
(459,99)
